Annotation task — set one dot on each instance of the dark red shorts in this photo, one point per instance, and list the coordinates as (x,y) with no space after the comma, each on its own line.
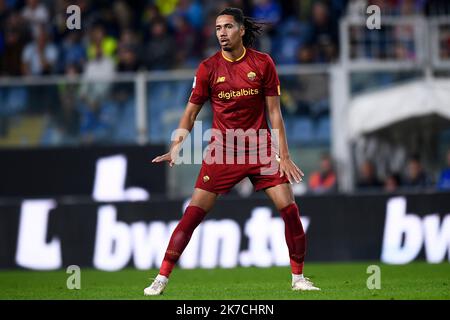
(221,178)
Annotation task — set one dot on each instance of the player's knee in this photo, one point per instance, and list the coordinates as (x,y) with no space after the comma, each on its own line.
(192,217)
(290,210)
(291,217)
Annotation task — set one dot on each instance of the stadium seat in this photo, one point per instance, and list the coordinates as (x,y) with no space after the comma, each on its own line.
(302,130)
(13,100)
(126,128)
(323,130)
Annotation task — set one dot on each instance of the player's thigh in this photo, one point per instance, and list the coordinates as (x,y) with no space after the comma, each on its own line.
(203,199)
(281,195)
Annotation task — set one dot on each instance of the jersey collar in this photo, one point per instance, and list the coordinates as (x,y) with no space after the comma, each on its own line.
(238,59)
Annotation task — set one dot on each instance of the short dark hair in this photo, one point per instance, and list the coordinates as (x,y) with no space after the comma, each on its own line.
(252,28)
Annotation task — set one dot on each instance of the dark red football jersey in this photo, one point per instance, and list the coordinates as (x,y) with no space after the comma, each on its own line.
(236,89)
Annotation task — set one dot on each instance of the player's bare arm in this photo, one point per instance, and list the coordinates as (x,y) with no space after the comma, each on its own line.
(184,127)
(287,166)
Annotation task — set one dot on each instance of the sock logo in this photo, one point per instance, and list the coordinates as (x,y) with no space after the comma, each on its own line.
(238,93)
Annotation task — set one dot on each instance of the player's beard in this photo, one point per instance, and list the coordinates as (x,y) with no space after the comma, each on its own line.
(230,47)
(227,46)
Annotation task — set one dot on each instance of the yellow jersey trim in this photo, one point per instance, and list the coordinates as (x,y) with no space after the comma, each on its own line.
(230,60)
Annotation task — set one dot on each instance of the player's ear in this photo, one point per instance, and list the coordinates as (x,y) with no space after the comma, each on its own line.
(242,30)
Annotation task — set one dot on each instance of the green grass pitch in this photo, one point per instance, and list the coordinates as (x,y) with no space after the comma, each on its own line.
(417,280)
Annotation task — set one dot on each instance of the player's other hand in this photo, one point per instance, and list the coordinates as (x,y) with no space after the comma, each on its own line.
(292,172)
(168,157)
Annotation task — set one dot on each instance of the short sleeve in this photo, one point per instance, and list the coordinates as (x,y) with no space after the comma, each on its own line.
(271,83)
(200,86)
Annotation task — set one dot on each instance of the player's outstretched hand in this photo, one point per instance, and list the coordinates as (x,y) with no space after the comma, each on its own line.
(292,172)
(165,157)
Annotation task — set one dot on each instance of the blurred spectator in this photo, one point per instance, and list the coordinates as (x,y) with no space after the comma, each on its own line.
(192,10)
(367,177)
(392,183)
(150,14)
(97,117)
(128,58)
(95,120)
(65,122)
(185,39)
(100,66)
(11,57)
(268,11)
(324,180)
(39,57)
(290,38)
(411,7)
(36,15)
(73,53)
(159,51)
(166,7)
(99,40)
(4,12)
(305,54)
(129,52)
(404,46)
(108,19)
(323,34)
(128,37)
(444,176)
(14,20)
(123,14)
(444,45)
(416,177)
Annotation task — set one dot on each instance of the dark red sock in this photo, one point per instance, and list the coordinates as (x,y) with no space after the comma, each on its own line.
(192,217)
(295,237)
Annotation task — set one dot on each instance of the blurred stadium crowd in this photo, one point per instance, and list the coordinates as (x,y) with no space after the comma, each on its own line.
(415,177)
(154,35)
(157,34)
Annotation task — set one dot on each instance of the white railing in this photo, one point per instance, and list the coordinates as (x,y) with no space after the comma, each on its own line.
(436,33)
(426,34)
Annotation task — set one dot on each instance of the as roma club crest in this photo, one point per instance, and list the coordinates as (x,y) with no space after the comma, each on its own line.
(205,179)
(251,75)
